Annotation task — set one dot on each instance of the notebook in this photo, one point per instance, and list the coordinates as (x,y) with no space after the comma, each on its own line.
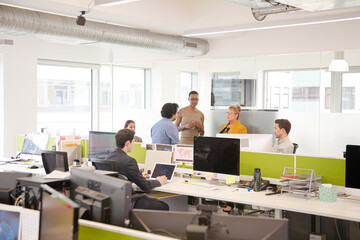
(161,169)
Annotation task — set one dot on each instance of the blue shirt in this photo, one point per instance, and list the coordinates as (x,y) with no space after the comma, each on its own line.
(165,132)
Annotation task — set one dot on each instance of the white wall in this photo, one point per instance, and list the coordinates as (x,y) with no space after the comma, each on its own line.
(20,60)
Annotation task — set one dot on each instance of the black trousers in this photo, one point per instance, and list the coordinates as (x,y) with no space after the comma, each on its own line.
(151,203)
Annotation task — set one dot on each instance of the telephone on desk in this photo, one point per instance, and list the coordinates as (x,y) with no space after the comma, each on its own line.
(264,184)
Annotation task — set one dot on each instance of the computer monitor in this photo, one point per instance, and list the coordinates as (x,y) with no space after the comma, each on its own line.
(181,225)
(55,160)
(352,177)
(58,215)
(101,144)
(252,142)
(118,190)
(184,153)
(34,144)
(10,221)
(217,155)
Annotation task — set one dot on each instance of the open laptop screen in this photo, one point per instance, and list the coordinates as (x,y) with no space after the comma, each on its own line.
(161,169)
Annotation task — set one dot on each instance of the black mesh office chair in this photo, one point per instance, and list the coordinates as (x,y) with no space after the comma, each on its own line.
(54,160)
(295,147)
(102,164)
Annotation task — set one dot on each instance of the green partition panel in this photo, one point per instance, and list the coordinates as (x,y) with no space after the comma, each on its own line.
(138,152)
(331,169)
(271,165)
(89,233)
(84,148)
(51,143)
(19,142)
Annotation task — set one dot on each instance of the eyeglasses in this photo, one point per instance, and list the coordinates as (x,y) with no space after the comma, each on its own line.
(194,99)
(230,113)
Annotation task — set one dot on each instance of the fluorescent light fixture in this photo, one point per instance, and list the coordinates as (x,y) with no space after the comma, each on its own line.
(338,65)
(272,25)
(107,3)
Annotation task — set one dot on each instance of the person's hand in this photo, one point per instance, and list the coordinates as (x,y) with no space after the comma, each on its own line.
(163,179)
(145,175)
(197,124)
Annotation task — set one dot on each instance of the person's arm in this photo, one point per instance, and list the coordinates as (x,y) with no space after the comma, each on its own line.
(135,176)
(178,120)
(173,134)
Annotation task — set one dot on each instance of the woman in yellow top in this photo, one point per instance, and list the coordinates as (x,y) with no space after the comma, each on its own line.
(233,126)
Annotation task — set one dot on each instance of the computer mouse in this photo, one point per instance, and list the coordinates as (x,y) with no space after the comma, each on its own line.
(34,167)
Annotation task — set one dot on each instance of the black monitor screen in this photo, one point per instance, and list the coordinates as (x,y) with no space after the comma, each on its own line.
(34,143)
(352,177)
(217,155)
(119,191)
(101,144)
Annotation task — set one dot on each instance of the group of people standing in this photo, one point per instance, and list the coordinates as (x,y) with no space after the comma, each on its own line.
(190,122)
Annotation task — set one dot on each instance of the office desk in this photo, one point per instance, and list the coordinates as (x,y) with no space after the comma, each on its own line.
(22,167)
(347,209)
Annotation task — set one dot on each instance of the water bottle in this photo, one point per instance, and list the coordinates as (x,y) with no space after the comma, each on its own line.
(257,180)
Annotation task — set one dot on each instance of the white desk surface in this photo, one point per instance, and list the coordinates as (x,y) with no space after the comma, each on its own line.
(348,209)
(21,167)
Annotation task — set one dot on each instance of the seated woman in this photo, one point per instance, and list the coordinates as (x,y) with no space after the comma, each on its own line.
(233,126)
(130,124)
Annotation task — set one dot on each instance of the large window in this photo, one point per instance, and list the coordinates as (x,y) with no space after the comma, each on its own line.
(350,98)
(130,88)
(229,88)
(295,90)
(64,98)
(188,82)
(77,98)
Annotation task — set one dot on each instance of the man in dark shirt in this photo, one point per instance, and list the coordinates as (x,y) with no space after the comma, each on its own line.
(128,167)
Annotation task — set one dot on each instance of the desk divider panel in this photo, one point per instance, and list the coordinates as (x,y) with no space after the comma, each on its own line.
(331,169)
(91,233)
(138,152)
(85,148)
(271,165)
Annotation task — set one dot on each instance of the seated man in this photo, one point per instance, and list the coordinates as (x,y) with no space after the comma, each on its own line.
(281,131)
(128,167)
(164,131)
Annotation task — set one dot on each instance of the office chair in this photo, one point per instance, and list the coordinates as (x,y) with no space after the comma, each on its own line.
(102,164)
(54,160)
(295,147)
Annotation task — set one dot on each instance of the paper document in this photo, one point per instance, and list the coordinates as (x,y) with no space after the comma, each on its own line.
(30,220)
(58,175)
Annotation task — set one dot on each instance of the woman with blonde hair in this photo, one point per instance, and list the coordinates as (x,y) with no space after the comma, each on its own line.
(233,126)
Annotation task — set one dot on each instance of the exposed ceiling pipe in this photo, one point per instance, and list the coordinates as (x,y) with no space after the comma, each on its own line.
(260,13)
(17,21)
(261,8)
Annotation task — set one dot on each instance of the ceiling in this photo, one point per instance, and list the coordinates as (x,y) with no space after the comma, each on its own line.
(182,17)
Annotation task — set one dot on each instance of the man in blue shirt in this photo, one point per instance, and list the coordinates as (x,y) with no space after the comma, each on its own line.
(165,131)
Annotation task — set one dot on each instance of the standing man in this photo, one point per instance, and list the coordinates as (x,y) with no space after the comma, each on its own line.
(281,131)
(164,131)
(128,167)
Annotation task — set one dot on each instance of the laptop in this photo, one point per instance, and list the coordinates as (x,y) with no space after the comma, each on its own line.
(161,169)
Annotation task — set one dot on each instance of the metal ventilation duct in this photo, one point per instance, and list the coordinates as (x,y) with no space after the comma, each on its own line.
(17,21)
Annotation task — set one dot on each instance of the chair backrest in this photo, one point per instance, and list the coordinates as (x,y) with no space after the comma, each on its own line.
(54,160)
(101,164)
(295,147)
